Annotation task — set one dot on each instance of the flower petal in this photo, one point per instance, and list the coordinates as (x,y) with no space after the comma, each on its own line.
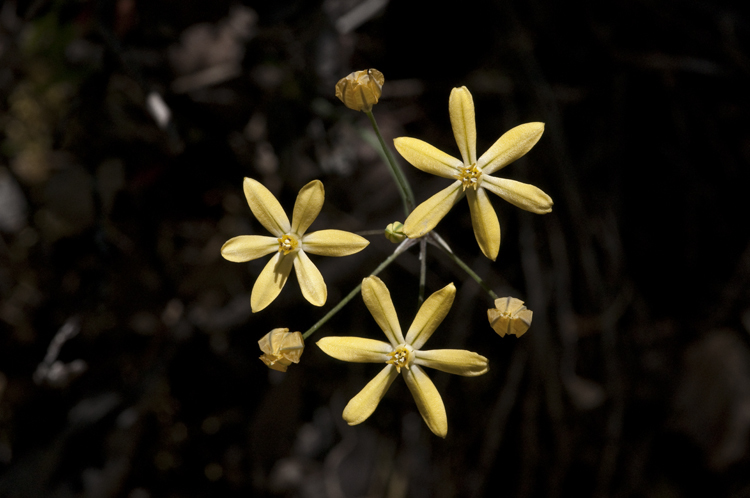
(271,280)
(512,145)
(461,107)
(509,316)
(364,403)
(356,349)
(248,247)
(485,222)
(519,194)
(427,158)
(307,206)
(310,280)
(333,243)
(453,361)
(361,89)
(428,214)
(430,315)
(281,348)
(428,399)
(378,301)
(265,207)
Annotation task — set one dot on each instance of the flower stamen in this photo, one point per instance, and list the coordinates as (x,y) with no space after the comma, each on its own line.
(400,357)
(287,243)
(469,176)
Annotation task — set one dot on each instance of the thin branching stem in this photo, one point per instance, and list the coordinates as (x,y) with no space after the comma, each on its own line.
(422,269)
(407,196)
(437,240)
(390,259)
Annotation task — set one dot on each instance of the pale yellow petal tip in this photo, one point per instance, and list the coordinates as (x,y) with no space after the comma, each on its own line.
(317,297)
(319,302)
(328,346)
(535,124)
(490,246)
(460,91)
(281,348)
(353,417)
(541,203)
(372,280)
(256,306)
(360,90)
(546,207)
(509,316)
(226,253)
(445,296)
(317,184)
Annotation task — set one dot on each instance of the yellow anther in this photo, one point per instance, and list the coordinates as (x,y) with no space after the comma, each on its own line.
(469,176)
(400,357)
(287,243)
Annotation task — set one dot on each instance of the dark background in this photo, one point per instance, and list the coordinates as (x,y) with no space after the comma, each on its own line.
(634,379)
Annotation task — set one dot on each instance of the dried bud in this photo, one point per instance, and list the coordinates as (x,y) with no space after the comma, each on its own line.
(395,232)
(361,89)
(509,316)
(281,348)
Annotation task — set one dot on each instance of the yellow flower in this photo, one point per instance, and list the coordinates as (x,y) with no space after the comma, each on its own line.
(472,175)
(281,348)
(361,89)
(290,243)
(509,316)
(404,355)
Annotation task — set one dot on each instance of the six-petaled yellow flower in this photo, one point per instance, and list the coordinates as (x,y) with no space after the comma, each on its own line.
(290,243)
(472,176)
(403,355)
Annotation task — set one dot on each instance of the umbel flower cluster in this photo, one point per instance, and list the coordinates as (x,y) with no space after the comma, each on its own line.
(290,245)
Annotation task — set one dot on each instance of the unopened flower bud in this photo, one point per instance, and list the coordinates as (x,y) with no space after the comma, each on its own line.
(361,89)
(509,316)
(395,232)
(281,348)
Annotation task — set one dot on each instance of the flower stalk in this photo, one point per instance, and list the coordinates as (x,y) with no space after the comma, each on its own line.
(407,196)
(422,269)
(406,244)
(438,241)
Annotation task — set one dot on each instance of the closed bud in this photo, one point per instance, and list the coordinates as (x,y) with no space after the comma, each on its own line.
(361,89)
(395,232)
(281,348)
(509,316)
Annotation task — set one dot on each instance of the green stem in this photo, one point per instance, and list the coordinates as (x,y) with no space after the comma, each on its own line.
(407,196)
(365,233)
(422,269)
(400,249)
(438,241)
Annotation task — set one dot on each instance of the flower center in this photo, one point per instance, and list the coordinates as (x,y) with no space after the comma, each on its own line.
(469,176)
(287,243)
(401,357)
